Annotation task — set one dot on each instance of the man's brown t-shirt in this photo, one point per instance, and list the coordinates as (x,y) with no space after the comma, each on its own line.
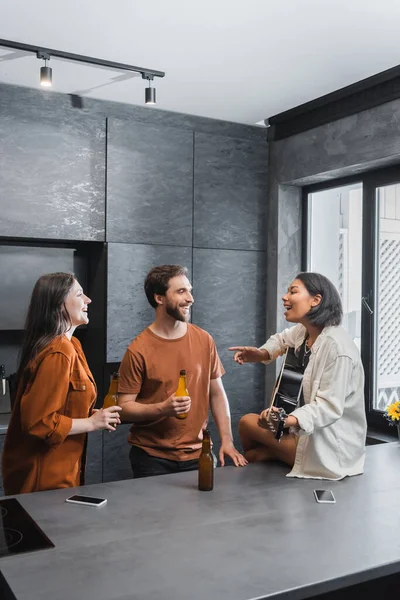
(150,368)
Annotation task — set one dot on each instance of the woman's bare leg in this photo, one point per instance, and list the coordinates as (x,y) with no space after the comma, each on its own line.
(259,443)
(258,453)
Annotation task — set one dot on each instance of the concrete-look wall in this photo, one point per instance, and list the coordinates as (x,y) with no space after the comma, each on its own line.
(355,144)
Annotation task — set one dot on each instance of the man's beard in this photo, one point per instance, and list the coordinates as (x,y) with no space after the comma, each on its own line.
(176,314)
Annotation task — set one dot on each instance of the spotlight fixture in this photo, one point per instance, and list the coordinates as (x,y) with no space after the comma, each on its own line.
(150,92)
(46,73)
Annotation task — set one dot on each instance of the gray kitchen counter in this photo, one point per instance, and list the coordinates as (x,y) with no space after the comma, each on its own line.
(258,535)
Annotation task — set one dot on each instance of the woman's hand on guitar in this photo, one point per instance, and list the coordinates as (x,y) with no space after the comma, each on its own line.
(274,421)
(248,354)
(263,420)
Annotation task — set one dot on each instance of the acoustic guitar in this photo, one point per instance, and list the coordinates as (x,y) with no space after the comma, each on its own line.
(287,392)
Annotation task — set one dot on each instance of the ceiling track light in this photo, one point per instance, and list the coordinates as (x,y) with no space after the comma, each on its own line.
(46,72)
(150,92)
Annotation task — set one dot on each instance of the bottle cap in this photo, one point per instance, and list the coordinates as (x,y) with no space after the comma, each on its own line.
(116,375)
(183,372)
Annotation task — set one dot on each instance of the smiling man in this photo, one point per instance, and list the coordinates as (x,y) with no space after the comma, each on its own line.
(161,440)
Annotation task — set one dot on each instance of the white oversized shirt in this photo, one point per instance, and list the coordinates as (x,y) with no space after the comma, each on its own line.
(332,423)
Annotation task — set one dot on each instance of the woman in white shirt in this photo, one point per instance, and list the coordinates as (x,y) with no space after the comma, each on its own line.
(326,436)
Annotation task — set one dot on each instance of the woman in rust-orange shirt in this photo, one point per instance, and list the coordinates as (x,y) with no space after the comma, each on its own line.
(53,411)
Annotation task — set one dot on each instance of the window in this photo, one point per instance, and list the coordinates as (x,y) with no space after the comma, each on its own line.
(352,235)
(335,246)
(388,294)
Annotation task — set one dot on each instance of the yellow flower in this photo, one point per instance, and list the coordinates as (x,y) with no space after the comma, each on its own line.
(393,411)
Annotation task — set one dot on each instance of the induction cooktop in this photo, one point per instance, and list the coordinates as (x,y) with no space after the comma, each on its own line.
(18,531)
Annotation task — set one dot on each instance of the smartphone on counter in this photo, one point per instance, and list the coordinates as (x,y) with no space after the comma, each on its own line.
(324,496)
(87,501)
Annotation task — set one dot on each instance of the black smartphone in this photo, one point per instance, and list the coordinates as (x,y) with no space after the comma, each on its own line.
(87,500)
(324,496)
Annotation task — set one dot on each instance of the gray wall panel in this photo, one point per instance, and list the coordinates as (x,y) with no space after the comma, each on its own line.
(127,307)
(52,180)
(230,193)
(50,102)
(116,465)
(94,462)
(229,297)
(354,144)
(289,250)
(149,184)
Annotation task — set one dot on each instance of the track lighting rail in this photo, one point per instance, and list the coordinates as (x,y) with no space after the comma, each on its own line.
(90,60)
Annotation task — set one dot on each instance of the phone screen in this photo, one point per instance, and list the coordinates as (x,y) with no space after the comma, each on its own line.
(324,496)
(87,500)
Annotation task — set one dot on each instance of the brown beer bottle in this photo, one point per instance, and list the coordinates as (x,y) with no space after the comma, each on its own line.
(182,391)
(112,397)
(206,464)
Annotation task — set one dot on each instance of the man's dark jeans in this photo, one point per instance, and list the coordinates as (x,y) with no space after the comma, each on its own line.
(144,465)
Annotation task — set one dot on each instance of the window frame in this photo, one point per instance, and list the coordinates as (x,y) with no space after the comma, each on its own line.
(370,180)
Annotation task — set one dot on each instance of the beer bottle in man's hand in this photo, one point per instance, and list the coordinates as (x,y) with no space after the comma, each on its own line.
(206,464)
(112,397)
(182,391)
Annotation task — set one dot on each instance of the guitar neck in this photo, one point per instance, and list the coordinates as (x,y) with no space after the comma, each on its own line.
(277,384)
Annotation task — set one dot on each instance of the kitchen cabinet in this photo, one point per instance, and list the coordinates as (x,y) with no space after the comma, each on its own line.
(230,193)
(52,181)
(128,310)
(149,184)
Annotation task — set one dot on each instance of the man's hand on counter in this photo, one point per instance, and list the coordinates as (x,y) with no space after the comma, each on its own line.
(228,449)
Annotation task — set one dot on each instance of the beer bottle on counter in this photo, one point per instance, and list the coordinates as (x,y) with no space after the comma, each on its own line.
(112,397)
(182,391)
(206,464)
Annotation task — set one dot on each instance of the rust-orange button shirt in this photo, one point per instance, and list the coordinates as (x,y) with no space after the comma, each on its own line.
(38,452)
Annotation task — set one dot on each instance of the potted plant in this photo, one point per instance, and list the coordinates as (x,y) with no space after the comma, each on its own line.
(392,414)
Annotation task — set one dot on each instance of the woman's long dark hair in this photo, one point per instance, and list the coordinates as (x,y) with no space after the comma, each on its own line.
(47,316)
